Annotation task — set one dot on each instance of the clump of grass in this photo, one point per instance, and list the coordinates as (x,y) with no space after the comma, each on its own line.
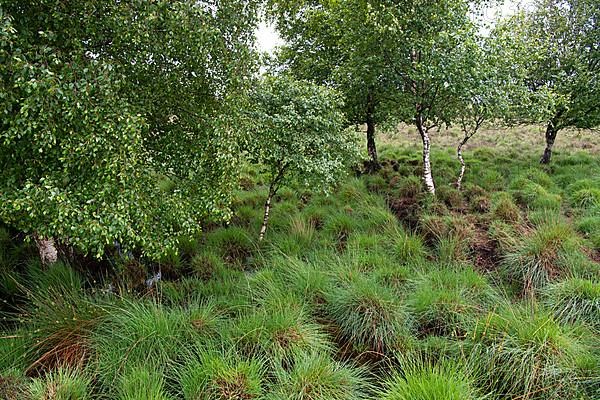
(392,275)
(406,247)
(206,265)
(586,198)
(451,197)
(62,384)
(535,196)
(542,256)
(504,235)
(140,333)
(60,319)
(527,353)
(315,376)
(142,383)
(376,184)
(233,244)
(368,314)
(212,375)
(590,227)
(574,299)
(14,386)
(340,226)
(503,208)
(279,330)
(444,301)
(423,379)
(14,349)
(452,250)
(298,238)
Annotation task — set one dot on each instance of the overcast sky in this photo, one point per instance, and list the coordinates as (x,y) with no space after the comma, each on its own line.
(268,38)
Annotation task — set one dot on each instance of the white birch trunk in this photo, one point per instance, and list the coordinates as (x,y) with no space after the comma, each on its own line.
(427,175)
(263,228)
(47,250)
(463,166)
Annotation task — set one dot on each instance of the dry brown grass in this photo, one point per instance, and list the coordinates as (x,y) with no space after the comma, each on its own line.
(523,138)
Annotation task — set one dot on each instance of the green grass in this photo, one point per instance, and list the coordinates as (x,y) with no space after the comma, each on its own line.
(316,377)
(62,384)
(543,256)
(214,375)
(423,379)
(529,353)
(374,291)
(368,314)
(445,301)
(575,299)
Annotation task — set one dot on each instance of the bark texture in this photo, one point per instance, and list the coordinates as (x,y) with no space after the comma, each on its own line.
(551,132)
(463,166)
(47,250)
(427,175)
(263,228)
(371,147)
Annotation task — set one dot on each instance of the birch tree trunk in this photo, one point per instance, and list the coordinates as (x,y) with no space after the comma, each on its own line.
(263,228)
(427,174)
(371,147)
(463,166)
(47,250)
(551,132)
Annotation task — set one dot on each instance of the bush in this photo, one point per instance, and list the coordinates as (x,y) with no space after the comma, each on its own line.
(316,377)
(368,314)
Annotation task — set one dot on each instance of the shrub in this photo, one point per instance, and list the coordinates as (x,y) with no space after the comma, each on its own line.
(368,314)
(445,301)
(62,384)
(574,300)
(315,376)
(542,256)
(422,379)
(214,375)
(142,383)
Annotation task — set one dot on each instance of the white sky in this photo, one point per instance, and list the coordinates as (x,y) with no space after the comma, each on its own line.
(268,38)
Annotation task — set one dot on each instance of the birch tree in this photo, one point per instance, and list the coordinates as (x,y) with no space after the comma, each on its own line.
(564,37)
(101,101)
(297,135)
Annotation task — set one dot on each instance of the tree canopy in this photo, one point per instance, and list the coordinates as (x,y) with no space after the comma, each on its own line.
(104,102)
